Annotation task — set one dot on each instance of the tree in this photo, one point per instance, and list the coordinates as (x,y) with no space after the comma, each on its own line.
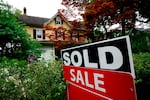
(15,42)
(101,14)
(143,9)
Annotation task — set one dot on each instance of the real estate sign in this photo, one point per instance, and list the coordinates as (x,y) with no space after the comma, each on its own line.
(100,70)
(97,84)
(114,54)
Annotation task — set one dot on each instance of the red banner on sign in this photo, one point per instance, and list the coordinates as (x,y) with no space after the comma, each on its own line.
(96,84)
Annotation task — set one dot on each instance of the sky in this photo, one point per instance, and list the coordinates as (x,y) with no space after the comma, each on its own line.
(46,8)
(39,8)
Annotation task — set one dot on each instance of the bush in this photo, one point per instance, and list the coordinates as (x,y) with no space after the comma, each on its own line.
(142,68)
(41,80)
(139,42)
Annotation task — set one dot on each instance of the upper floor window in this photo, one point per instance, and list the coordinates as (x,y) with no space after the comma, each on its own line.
(75,37)
(60,35)
(58,21)
(39,34)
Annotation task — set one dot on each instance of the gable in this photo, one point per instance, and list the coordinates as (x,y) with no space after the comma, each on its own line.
(58,20)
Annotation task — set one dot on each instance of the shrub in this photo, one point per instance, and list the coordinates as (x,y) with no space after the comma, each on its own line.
(142,68)
(140,42)
(41,80)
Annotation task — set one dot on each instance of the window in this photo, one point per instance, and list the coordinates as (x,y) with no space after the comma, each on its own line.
(75,37)
(60,35)
(58,21)
(39,34)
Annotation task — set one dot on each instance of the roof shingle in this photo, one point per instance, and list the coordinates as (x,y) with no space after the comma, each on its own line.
(33,21)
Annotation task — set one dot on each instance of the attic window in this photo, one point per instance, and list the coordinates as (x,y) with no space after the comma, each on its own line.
(58,21)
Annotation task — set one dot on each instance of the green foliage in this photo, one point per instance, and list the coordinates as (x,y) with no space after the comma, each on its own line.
(139,42)
(14,32)
(142,68)
(97,34)
(38,81)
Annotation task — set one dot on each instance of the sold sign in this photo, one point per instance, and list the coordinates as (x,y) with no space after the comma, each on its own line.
(114,54)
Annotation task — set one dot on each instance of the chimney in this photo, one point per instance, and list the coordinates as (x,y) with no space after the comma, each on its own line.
(24,11)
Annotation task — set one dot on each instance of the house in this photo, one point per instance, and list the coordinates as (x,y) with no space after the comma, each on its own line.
(34,26)
(63,32)
(53,31)
(58,28)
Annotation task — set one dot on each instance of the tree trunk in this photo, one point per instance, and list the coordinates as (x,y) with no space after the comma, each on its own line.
(123,27)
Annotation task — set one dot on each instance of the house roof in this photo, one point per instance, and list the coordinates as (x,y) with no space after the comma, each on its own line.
(40,21)
(33,21)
